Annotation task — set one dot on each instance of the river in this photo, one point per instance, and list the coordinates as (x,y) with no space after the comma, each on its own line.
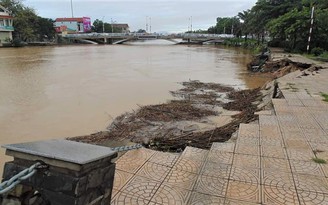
(65,91)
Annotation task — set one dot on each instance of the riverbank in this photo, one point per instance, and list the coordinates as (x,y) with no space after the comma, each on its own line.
(200,113)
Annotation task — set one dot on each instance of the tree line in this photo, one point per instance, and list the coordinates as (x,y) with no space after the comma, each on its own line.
(28,25)
(286,22)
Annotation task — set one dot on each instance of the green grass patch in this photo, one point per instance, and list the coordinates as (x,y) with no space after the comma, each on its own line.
(319,161)
(325,96)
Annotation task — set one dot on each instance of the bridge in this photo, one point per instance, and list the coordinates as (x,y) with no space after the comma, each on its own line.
(119,38)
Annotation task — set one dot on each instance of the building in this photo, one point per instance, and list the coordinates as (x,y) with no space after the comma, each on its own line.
(73,25)
(6,25)
(123,28)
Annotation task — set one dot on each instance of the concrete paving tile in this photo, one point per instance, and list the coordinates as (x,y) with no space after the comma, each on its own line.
(294,134)
(223,147)
(275,164)
(319,147)
(306,167)
(194,153)
(307,122)
(290,95)
(270,133)
(245,175)
(324,168)
(220,157)
(236,202)
(310,102)
(166,159)
(133,160)
(249,141)
(248,131)
(273,151)
(130,165)
(244,191)
(312,198)
(189,165)
(264,112)
(294,102)
(322,155)
(182,179)
(211,185)
(272,195)
(216,170)
(153,171)
(300,154)
(120,179)
(169,195)
(276,178)
(288,122)
(311,183)
(247,161)
(268,120)
(127,199)
(140,187)
(297,144)
(267,142)
(247,149)
(202,199)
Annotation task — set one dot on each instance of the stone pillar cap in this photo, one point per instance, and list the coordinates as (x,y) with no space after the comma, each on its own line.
(62,150)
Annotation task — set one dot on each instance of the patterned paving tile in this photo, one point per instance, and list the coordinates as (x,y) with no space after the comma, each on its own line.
(120,179)
(244,191)
(194,153)
(273,151)
(296,144)
(311,183)
(169,195)
(294,102)
(270,133)
(271,142)
(312,198)
(223,147)
(220,157)
(275,164)
(247,149)
(307,122)
(127,199)
(153,171)
(189,165)
(245,175)
(300,154)
(248,131)
(133,160)
(140,187)
(295,134)
(236,202)
(272,195)
(306,167)
(247,161)
(167,159)
(276,178)
(202,199)
(216,170)
(211,185)
(268,120)
(324,168)
(183,179)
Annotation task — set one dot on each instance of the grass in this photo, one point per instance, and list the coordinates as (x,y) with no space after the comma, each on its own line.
(323,57)
(325,96)
(319,161)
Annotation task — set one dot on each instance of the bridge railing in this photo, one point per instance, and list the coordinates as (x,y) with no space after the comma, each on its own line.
(152,35)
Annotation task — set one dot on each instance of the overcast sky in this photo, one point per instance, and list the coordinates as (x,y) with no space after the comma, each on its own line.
(170,16)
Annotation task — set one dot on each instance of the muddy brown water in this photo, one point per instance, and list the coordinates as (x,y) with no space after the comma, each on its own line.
(65,91)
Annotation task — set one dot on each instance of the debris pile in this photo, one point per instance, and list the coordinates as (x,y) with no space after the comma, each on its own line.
(171,126)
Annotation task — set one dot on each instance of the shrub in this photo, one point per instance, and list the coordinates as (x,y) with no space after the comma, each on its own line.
(317,51)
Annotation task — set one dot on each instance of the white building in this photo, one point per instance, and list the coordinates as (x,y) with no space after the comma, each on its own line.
(6,25)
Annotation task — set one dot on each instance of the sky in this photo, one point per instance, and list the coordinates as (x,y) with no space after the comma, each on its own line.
(166,16)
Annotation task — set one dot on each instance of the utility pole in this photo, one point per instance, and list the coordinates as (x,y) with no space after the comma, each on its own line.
(146,24)
(311,29)
(103,24)
(149,24)
(191,24)
(72,8)
(232,29)
(111,20)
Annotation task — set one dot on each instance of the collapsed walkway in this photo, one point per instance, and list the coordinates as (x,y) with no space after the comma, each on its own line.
(279,160)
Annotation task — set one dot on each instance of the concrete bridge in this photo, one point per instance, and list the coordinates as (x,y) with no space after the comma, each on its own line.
(119,38)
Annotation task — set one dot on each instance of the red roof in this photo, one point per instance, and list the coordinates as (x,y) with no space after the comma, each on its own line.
(69,19)
(6,17)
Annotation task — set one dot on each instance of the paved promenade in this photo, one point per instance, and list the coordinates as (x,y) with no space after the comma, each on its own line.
(272,161)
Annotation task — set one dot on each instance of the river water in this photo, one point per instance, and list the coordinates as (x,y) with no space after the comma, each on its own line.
(65,91)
